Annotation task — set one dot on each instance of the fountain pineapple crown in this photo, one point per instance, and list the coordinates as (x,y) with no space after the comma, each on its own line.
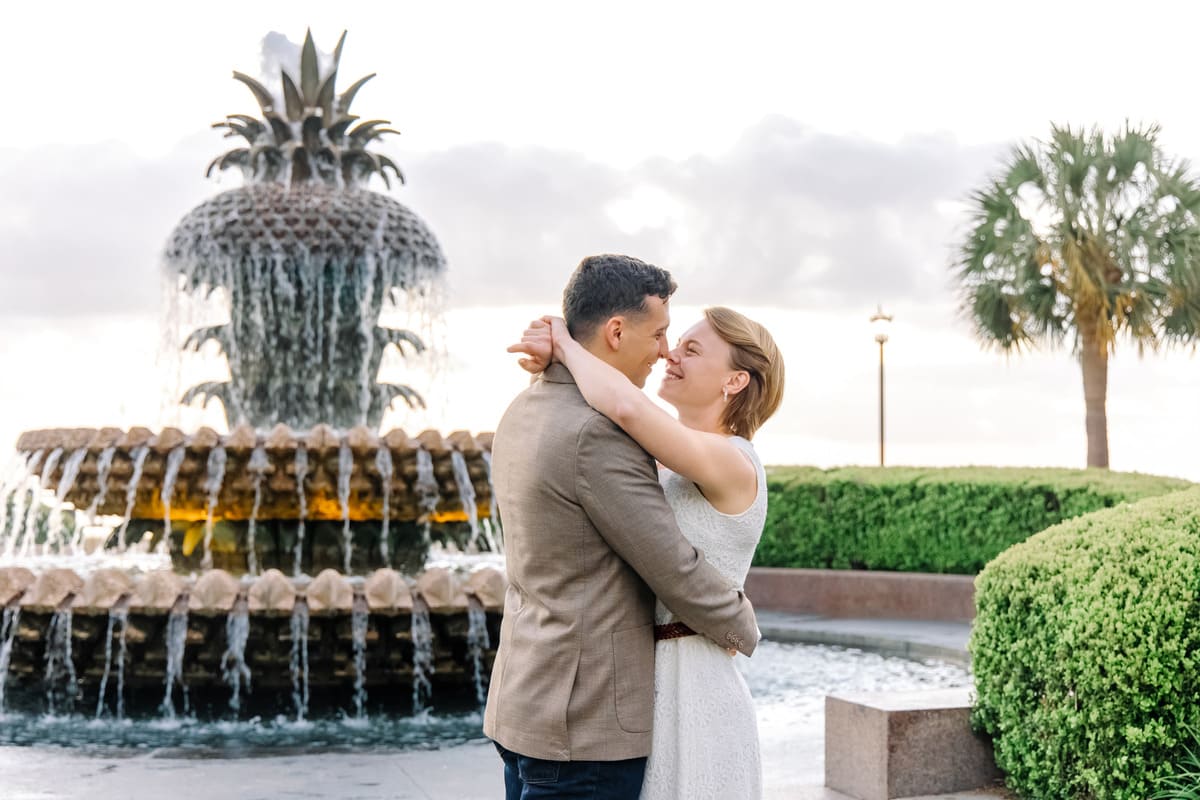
(312,139)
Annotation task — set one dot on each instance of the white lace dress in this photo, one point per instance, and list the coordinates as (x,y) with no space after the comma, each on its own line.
(705,734)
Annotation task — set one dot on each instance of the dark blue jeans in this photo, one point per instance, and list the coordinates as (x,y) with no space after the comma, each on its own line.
(528,778)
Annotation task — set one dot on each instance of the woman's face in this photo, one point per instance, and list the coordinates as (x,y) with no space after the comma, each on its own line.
(697,368)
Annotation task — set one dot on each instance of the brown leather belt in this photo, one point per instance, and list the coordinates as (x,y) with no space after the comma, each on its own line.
(672,630)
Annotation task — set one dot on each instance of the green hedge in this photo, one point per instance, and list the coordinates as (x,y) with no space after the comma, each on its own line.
(1086,651)
(928,520)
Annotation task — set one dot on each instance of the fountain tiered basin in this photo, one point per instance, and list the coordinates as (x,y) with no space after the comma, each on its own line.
(280,560)
(87,640)
(250,500)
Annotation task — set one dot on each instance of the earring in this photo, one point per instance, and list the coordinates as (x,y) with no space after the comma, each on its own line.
(725,394)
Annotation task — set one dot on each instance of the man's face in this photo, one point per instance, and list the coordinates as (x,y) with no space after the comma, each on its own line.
(643,341)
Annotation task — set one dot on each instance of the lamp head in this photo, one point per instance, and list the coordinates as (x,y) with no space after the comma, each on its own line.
(880,323)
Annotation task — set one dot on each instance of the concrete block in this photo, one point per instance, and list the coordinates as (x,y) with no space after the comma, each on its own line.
(880,746)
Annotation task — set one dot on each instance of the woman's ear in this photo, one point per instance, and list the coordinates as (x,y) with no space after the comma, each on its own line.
(736,382)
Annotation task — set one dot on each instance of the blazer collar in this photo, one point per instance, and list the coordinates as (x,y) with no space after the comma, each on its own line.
(558,373)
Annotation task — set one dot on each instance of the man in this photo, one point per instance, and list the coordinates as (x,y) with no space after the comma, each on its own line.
(590,541)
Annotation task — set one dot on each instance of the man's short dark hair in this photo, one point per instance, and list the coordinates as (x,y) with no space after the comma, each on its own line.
(606,285)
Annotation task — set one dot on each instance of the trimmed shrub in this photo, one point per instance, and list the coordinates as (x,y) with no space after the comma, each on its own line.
(1085,651)
(928,520)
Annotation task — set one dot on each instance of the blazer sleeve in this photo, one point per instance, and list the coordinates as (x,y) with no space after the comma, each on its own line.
(618,487)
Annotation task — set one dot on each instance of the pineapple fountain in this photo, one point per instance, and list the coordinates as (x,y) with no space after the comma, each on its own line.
(290,553)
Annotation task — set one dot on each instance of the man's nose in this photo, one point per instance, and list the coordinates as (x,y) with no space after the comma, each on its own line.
(664,351)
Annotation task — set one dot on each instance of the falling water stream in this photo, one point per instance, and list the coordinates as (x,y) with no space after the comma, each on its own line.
(233,663)
(177,624)
(14,476)
(466,492)
(8,632)
(214,479)
(299,658)
(426,488)
(103,468)
(422,642)
(59,677)
(301,467)
(478,641)
(258,468)
(174,462)
(345,467)
(358,634)
(139,462)
(118,622)
(31,514)
(383,462)
(65,484)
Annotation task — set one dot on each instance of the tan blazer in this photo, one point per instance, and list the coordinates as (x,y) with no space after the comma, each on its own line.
(589,541)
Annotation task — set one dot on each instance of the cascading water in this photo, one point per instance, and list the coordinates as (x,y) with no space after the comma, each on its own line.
(358,635)
(103,468)
(478,641)
(65,484)
(466,491)
(11,477)
(31,514)
(345,466)
(301,468)
(426,488)
(493,531)
(299,658)
(21,488)
(383,462)
(138,454)
(176,636)
(215,478)
(118,622)
(233,663)
(59,677)
(258,468)
(422,642)
(8,632)
(174,462)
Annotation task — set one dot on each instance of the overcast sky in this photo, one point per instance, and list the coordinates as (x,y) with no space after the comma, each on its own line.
(799,161)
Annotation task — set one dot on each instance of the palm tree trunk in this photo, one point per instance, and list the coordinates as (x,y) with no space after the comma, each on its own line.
(1093,357)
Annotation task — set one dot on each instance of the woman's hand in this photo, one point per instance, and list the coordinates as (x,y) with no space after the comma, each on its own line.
(538,346)
(559,335)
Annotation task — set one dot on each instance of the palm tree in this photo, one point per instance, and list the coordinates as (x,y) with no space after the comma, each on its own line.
(1082,238)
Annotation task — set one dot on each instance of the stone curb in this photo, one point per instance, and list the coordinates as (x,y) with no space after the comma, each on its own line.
(886,637)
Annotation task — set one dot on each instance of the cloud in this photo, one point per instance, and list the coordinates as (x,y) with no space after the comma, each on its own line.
(788,216)
(81,228)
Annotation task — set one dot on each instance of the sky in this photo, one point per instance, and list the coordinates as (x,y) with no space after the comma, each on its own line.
(802,162)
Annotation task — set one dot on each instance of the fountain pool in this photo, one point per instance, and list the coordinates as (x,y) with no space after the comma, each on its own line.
(60,757)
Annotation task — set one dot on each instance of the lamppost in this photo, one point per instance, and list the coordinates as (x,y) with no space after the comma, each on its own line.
(880,322)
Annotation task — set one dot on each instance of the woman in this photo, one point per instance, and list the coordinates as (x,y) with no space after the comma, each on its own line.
(724,378)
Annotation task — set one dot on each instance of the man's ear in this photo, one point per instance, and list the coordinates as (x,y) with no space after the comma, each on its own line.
(613,329)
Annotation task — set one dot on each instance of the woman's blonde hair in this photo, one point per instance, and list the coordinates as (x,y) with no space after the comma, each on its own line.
(754,351)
